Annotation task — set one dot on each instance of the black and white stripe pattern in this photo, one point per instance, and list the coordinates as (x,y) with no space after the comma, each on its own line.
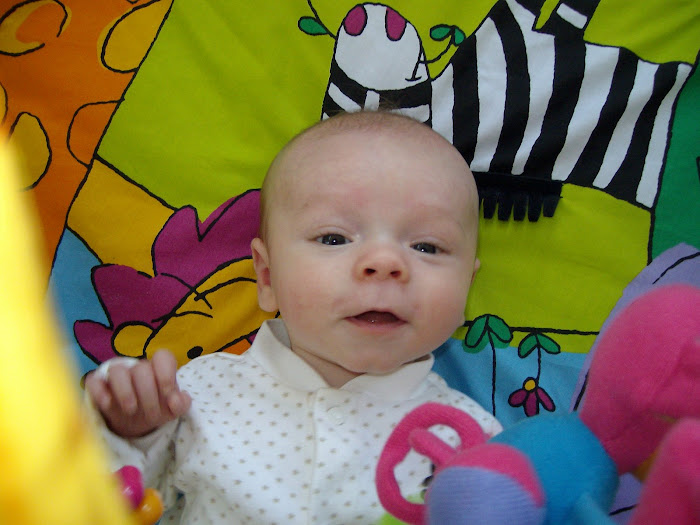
(544,103)
(345,94)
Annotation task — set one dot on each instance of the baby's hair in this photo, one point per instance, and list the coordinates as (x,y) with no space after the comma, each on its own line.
(365,120)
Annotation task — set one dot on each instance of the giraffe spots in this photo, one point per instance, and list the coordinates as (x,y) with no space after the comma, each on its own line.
(52,68)
(29,141)
(82,140)
(29,26)
(129,39)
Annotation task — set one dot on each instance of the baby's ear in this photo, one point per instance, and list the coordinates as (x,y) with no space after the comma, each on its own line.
(261,263)
(477,265)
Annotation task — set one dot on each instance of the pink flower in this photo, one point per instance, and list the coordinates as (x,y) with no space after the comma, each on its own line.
(530,397)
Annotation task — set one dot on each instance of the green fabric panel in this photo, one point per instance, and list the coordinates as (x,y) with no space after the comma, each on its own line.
(677,212)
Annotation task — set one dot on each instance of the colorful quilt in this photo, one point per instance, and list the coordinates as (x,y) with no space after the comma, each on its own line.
(144,128)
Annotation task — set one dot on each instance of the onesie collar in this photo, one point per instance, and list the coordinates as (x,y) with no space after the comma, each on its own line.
(272,350)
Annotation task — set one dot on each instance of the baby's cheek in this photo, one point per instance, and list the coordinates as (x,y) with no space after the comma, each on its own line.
(304,299)
(447,308)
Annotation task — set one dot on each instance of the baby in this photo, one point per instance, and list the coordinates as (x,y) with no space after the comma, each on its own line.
(367,249)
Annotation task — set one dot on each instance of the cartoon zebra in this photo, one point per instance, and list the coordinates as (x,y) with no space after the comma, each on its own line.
(534,103)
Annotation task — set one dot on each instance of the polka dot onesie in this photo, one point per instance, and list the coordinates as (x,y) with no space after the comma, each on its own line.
(267,441)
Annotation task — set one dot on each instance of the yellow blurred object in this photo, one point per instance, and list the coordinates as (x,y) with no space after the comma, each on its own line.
(53,469)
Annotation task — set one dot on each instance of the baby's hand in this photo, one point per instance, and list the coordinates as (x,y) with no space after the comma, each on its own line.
(137,400)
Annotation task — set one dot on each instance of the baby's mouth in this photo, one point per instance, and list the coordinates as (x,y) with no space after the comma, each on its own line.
(377,318)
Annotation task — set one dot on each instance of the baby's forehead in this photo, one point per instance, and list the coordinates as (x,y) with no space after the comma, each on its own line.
(332,168)
(357,141)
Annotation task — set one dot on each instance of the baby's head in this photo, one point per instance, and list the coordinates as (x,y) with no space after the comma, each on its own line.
(368,242)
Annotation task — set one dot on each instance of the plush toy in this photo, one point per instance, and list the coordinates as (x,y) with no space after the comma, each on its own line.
(642,408)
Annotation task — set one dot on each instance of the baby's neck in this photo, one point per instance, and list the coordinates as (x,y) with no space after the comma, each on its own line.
(338,378)
(335,375)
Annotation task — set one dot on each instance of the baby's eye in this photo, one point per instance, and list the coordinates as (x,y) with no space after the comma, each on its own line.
(426,247)
(332,239)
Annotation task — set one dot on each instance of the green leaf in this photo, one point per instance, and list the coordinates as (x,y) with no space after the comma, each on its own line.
(459,36)
(500,330)
(440,32)
(487,329)
(476,332)
(548,344)
(527,345)
(311,26)
(537,341)
(479,347)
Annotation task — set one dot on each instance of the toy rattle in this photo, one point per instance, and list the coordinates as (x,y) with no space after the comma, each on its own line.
(145,503)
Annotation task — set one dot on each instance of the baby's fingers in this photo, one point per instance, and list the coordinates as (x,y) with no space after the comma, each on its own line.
(98,391)
(165,369)
(179,403)
(145,386)
(119,380)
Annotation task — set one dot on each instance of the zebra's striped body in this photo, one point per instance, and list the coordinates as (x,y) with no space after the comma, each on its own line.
(542,103)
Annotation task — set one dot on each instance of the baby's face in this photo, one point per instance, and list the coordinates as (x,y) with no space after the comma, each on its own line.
(370,249)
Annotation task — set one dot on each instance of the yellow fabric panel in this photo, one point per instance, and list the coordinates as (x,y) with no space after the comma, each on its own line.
(122,228)
(652,29)
(580,259)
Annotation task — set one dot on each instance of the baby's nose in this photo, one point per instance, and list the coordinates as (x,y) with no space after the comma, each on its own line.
(383,263)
